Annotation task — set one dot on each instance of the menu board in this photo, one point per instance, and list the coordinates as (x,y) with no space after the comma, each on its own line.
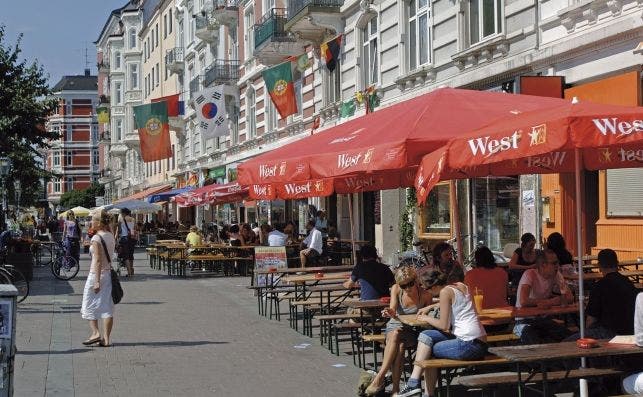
(269,258)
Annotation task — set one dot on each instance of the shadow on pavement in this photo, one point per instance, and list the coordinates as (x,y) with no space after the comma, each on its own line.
(170,343)
(37,352)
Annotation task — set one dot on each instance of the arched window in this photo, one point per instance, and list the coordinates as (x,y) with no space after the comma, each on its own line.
(251,110)
(132,38)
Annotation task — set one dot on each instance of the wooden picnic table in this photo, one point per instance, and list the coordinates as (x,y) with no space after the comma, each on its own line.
(314,269)
(635,275)
(535,358)
(309,277)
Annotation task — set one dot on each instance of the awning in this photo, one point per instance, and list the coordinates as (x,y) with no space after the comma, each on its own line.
(165,196)
(144,193)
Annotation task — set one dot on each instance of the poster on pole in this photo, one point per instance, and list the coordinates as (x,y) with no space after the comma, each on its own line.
(271,259)
(6,317)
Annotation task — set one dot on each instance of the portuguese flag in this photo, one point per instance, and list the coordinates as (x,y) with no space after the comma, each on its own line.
(280,85)
(153,131)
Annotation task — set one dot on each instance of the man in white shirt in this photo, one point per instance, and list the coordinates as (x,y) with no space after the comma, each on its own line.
(313,242)
(277,238)
(544,287)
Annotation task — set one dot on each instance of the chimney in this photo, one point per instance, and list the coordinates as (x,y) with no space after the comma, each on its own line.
(87,72)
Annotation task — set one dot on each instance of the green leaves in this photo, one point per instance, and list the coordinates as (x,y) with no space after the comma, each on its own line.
(83,198)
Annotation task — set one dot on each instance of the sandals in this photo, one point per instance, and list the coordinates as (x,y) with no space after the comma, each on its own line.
(102,344)
(373,390)
(90,342)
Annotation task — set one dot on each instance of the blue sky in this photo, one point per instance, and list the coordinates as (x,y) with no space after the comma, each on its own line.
(56,32)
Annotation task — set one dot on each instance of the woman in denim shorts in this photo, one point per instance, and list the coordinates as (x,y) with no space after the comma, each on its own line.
(466,340)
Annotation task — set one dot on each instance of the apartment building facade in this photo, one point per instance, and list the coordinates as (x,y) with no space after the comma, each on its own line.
(75,156)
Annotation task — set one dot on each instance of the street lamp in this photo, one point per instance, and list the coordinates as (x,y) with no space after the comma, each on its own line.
(5,167)
(17,190)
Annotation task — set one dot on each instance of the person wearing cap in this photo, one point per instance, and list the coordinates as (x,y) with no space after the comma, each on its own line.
(126,239)
(407,296)
(373,277)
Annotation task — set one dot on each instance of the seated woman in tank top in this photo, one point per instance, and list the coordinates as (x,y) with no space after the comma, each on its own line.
(407,296)
(523,258)
(457,334)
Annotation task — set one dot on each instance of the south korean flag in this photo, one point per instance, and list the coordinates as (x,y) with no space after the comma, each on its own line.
(211,112)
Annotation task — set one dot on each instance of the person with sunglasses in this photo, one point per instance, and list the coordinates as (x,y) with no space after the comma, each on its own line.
(457,334)
(544,287)
(407,296)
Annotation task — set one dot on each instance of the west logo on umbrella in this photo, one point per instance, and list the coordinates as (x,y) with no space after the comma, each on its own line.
(614,126)
(487,146)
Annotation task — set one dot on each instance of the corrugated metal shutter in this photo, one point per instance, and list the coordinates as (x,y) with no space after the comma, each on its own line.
(625,192)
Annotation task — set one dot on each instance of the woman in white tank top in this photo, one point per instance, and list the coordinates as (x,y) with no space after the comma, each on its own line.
(457,334)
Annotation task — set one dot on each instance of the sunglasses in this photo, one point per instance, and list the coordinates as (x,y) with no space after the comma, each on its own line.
(408,285)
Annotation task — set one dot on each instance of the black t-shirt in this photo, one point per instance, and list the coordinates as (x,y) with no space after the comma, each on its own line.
(377,274)
(612,302)
(564,257)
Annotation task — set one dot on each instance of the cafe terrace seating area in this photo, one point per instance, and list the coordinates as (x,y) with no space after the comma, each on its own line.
(315,304)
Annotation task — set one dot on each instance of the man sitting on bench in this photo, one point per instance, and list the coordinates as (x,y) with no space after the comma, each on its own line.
(313,243)
(374,278)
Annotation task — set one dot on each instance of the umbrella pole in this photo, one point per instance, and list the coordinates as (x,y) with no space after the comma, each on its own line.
(456,221)
(579,255)
(350,218)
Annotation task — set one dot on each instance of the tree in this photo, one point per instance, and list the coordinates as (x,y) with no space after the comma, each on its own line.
(84,198)
(25,103)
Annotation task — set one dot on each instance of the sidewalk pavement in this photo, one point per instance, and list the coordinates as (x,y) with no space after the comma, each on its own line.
(172,337)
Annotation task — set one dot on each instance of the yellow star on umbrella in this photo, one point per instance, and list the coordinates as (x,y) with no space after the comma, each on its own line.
(606,155)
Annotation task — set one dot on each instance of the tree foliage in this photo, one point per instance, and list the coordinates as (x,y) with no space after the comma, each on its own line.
(84,198)
(25,103)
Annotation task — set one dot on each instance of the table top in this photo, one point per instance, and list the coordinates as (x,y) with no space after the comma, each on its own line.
(330,288)
(557,351)
(598,275)
(367,304)
(304,278)
(509,312)
(411,319)
(313,269)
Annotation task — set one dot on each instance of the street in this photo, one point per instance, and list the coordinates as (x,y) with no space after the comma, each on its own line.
(172,337)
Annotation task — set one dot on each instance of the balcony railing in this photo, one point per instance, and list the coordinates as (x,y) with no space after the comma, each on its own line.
(296,6)
(174,55)
(195,85)
(271,25)
(221,71)
(103,99)
(219,4)
(103,66)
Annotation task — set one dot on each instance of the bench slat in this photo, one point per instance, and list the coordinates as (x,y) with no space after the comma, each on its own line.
(481,381)
(447,363)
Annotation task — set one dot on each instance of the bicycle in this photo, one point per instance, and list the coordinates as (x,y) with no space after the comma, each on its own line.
(10,275)
(42,252)
(63,266)
(413,258)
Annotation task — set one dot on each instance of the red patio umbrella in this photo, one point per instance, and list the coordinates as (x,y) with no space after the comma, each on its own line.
(560,139)
(226,193)
(380,150)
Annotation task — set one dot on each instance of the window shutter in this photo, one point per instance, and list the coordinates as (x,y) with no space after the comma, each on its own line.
(625,192)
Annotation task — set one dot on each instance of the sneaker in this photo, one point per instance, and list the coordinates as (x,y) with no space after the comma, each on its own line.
(408,391)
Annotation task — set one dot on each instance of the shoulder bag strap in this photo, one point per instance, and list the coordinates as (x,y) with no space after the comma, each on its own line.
(109,258)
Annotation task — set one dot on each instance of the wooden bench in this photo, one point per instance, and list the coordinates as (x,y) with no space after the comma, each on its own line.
(501,338)
(494,380)
(326,321)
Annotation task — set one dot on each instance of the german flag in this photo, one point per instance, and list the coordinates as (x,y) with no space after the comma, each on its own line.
(330,51)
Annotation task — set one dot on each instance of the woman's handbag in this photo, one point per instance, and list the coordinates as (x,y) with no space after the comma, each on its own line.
(117,290)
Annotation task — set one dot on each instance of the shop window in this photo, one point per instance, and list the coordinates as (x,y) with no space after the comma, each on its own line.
(623,197)
(496,204)
(436,216)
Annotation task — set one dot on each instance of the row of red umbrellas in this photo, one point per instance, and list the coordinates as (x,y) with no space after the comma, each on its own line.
(212,194)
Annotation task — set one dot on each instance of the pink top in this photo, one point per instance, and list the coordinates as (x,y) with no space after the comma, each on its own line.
(493,283)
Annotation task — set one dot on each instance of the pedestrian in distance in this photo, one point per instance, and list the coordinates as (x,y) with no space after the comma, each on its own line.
(126,239)
(71,233)
(97,295)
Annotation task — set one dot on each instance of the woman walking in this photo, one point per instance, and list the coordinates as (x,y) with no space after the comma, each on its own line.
(97,296)
(71,232)
(127,238)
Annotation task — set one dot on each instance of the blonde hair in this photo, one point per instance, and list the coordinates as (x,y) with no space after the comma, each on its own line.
(405,275)
(102,217)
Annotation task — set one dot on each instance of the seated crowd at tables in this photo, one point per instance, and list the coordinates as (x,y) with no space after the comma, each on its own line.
(456,331)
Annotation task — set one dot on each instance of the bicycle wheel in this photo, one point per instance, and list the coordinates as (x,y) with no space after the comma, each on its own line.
(65,268)
(19,281)
(42,255)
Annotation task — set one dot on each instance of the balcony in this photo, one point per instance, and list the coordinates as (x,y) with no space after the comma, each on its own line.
(103,100)
(195,85)
(226,12)
(105,137)
(314,20)
(221,72)
(103,67)
(174,60)
(272,42)
(131,140)
(207,28)
(118,150)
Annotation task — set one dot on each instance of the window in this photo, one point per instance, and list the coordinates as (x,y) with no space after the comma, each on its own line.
(625,198)
(419,40)
(173,148)
(69,133)
(370,54)
(157,74)
(145,56)
(181,38)
(249,21)
(56,158)
(436,215)
(165,26)
(95,157)
(117,60)
(94,134)
(251,109)
(152,74)
(299,96)
(156,34)
(149,46)
(333,89)
(271,114)
(57,186)
(118,92)
(69,184)
(119,130)
(196,149)
(485,19)
(69,155)
(132,38)
(170,21)
(133,76)
(165,71)
(192,26)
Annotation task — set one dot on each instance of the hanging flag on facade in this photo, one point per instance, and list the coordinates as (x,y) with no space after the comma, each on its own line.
(280,85)
(330,52)
(372,100)
(102,113)
(304,62)
(175,107)
(153,131)
(348,108)
(211,112)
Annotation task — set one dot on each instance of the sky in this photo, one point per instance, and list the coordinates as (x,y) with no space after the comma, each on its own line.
(57,32)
